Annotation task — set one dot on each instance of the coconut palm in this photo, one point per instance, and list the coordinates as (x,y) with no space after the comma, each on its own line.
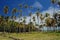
(38,9)
(30,19)
(20,15)
(14,10)
(20,5)
(2,22)
(32,27)
(24,21)
(41,18)
(26,6)
(5,9)
(53,2)
(6,12)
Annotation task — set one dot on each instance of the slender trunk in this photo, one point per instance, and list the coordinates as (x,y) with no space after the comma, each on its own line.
(30,25)
(4,25)
(24,28)
(19,27)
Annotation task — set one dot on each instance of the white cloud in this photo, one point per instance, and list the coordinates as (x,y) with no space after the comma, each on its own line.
(37,5)
(50,10)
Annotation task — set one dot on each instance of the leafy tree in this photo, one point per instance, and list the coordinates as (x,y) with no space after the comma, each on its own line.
(50,22)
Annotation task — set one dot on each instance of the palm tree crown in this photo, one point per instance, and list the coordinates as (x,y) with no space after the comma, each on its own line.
(14,10)
(6,9)
(26,6)
(53,1)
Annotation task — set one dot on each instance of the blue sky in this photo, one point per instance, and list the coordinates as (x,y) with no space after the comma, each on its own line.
(42,4)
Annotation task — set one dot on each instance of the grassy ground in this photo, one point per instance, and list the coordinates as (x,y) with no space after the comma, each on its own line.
(33,36)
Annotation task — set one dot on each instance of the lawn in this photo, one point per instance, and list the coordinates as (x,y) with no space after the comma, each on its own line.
(33,36)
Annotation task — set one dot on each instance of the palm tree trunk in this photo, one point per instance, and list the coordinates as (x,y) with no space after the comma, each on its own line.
(30,25)
(19,29)
(24,28)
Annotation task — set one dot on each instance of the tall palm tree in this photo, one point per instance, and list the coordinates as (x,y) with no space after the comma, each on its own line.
(14,10)
(41,17)
(6,9)
(53,2)
(7,21)
(26,7)
(6,12)
(30,19)
(2,21)
(20,15)
(24,21)
(38,14)
(31,25)
(30,14)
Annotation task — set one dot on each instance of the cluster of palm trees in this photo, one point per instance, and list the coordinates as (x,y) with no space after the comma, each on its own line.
(11,26)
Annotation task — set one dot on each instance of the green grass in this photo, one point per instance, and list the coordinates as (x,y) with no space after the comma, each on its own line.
(4,38)
(33,36)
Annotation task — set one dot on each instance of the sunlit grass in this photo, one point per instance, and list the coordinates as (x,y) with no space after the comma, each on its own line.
(34,36)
